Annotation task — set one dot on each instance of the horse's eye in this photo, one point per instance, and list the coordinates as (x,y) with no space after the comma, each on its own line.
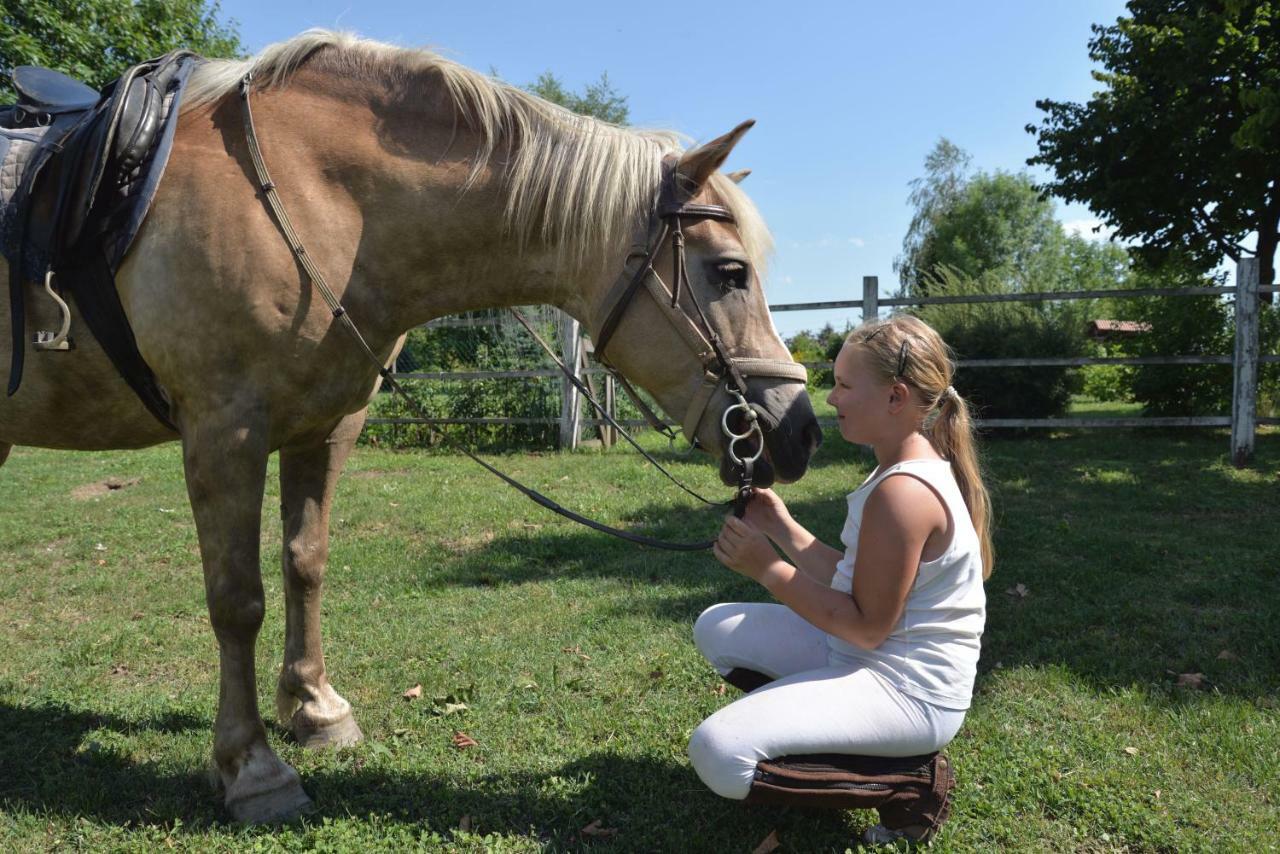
(731,275)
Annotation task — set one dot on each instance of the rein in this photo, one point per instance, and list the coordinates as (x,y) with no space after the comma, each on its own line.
(716,365)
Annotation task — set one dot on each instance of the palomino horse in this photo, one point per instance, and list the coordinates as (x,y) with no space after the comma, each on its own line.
(421,189)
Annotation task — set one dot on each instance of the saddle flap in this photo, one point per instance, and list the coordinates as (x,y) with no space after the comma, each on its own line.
(44,87)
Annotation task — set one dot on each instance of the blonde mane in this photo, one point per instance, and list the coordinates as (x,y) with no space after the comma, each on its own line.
(575,183)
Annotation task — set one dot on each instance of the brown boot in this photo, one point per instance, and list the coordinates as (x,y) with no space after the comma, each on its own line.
(912,793)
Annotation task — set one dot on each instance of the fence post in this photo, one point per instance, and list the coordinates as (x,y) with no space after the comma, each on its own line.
(570,400)
(1244,392)
(870,298)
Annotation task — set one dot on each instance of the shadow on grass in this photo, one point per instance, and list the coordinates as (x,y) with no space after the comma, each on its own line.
(1145,556)
(48,770)
(60,759)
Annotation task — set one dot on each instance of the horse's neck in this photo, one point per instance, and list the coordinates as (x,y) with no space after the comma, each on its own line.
(428,248)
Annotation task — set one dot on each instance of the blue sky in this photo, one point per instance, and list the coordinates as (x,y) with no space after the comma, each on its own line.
(848,97)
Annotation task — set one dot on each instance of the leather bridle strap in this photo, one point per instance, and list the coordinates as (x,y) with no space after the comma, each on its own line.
(717,366)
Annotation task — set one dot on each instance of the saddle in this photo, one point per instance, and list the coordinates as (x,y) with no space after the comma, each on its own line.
(78,169)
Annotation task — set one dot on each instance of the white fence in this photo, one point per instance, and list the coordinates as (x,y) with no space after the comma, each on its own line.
(1247,358)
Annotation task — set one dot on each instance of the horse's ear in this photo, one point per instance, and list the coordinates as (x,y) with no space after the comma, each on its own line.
(736,177)
(697,165)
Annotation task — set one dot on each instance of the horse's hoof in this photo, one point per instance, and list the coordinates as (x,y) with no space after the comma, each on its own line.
(276,807)
(267,792)
(340,733)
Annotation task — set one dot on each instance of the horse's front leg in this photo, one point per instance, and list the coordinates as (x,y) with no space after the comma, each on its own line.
(225,454)
(305,701)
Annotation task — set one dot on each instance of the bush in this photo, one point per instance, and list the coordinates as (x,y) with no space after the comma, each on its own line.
(495,343)
(1004,331)
(821,346)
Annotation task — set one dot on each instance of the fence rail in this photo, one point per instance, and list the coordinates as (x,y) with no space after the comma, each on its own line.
(1243,419)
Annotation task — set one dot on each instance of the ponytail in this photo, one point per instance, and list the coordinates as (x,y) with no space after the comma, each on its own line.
(952,436)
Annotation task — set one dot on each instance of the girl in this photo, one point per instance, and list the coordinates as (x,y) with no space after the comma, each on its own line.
(873,650)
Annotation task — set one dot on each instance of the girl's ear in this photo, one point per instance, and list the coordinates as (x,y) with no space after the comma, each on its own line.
(899,395)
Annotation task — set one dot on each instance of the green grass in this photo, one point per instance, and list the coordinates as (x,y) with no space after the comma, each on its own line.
(1144,554)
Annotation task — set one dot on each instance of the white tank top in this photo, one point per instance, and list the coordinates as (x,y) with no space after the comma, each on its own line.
(932,652)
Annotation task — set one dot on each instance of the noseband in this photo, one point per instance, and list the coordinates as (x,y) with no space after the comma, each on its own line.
(718,367)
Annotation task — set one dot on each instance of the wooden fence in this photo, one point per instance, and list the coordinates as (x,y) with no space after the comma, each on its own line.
(1247,359)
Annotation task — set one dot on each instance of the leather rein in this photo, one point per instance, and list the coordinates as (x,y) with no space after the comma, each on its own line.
(718,367)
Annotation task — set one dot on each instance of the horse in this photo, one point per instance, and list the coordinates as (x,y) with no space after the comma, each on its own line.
(422,189)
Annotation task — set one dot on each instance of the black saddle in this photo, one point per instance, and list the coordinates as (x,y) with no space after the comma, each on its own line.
(76,207)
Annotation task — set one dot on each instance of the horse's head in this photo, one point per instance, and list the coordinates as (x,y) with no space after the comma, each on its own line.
(687,320)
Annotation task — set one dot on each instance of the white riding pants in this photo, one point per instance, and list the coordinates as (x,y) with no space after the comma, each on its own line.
(816,705)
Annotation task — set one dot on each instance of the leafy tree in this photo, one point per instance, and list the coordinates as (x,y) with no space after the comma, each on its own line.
(96,40)
(1190,326)
(1178,151)
(998,223)
(931,196)
(598,99)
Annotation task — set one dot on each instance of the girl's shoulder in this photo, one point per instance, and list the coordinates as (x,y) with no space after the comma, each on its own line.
(928,467)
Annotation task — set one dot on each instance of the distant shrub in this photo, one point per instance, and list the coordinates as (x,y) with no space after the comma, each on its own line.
(1005,330)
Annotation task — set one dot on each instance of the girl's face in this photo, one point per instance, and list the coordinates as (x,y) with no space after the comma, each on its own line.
(860,398)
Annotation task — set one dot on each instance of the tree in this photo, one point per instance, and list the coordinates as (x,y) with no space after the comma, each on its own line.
(96,40)
(1178,152)
(931,196)
(598,99)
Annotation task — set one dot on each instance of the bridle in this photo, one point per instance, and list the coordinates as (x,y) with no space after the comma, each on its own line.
(718,367)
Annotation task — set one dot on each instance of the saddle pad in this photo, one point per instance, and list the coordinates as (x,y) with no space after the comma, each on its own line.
(17,145)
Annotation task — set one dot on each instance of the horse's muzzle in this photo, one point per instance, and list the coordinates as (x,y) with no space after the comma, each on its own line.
(791,436)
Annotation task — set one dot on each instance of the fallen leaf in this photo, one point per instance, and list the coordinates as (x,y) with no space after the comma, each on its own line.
(446,708)
(464,823)
(1132,751)
(769,843)
(462,741)
(1227,655)
(655,674)
(1019,590)
(137,615)
(119,670)
(99,548)
(1157,794)
(595,830)
(413,693)
(718,690)
(1190,680)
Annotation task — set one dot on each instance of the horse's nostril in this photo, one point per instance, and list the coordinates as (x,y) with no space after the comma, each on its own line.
(813,435)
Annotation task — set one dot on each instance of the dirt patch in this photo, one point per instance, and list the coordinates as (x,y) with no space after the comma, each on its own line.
(104,487)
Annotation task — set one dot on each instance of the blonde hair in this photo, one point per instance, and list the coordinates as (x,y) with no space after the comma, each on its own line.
(905,348)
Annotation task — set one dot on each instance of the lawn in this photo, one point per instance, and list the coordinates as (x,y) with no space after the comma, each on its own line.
(1127,697)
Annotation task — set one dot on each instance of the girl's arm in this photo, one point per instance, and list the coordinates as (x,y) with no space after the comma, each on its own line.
(813,557)
(898,518)
(769,514)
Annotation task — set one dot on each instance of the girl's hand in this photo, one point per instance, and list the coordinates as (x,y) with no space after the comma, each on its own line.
(746,551)
(767,512)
